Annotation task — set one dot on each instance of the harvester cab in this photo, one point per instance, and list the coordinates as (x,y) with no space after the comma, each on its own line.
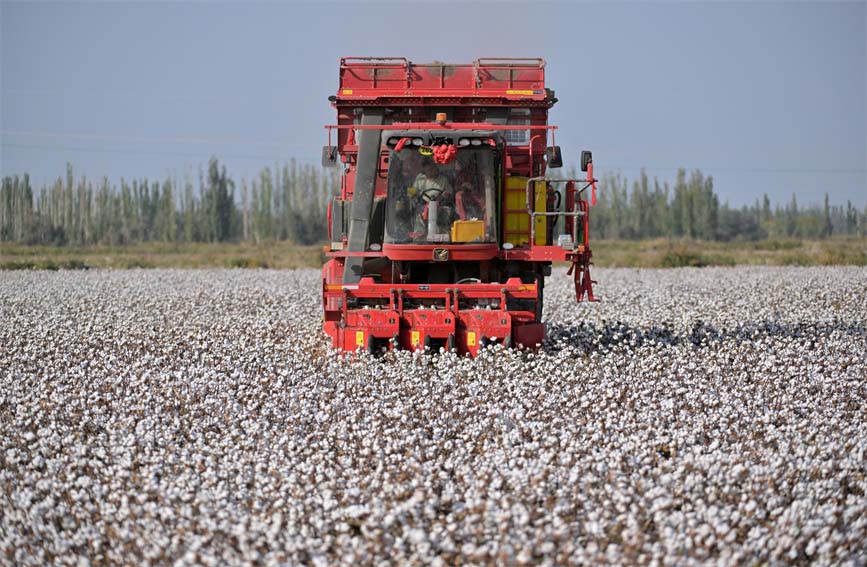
(447,223)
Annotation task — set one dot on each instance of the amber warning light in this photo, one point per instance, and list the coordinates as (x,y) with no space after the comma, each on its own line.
(441,117)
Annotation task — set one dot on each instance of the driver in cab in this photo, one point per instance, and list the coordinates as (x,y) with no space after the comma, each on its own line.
(431,185)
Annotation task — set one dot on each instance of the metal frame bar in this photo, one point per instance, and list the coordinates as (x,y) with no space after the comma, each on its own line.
(434,126)
(441,127)
(533,214)
(396,293)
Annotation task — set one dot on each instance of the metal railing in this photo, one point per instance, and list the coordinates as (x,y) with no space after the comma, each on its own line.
(574,214)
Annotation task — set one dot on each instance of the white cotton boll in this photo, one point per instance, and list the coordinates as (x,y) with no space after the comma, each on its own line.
(692,417)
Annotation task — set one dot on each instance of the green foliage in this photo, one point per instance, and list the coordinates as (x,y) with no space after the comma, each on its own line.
(248,263)
(691,209)
(18,265)
(777,244)
(680,259)
(137,263)
(287,203)
(683,255)
(45,264)
(74,264)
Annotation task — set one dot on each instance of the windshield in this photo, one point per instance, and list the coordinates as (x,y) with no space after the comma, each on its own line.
(441,203)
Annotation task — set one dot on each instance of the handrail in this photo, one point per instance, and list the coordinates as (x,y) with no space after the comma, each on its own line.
(516,61)
(344,60)
(386,63)
(533,214)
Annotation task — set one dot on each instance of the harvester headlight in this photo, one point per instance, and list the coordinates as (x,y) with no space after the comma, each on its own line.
(416,141)
(476,142)
(464,142)
(393,141)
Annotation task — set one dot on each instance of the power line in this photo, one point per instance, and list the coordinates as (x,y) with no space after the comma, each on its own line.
(605,167)
(274,144)
(144,152)
(739,169)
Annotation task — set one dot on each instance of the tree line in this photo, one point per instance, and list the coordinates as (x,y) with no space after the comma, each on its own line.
(289,202)
(692,209)
(285,202)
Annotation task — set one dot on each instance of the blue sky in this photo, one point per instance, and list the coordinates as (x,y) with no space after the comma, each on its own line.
(766,97)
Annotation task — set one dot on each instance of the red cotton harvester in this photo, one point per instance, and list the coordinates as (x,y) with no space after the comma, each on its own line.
(446,226)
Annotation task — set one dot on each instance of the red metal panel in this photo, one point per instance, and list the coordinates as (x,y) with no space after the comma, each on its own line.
(536,254)
(529,335)
(431,77)
(515,79)
(433,126)
(480,326)
(420,325)
(457,252)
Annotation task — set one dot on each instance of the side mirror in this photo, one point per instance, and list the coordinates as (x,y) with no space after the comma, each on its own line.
(329,156)
(586,159)
(553,156)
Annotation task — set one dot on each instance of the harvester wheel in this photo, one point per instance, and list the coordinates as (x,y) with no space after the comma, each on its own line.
(395,342)
(451,342)
(507,342)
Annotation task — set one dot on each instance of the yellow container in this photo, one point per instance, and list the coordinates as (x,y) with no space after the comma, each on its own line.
(517,220)
(468,231)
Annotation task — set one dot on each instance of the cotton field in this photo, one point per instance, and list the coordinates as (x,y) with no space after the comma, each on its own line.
(694,416)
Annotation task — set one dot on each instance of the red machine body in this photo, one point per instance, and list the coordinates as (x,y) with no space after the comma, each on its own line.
(447,225)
